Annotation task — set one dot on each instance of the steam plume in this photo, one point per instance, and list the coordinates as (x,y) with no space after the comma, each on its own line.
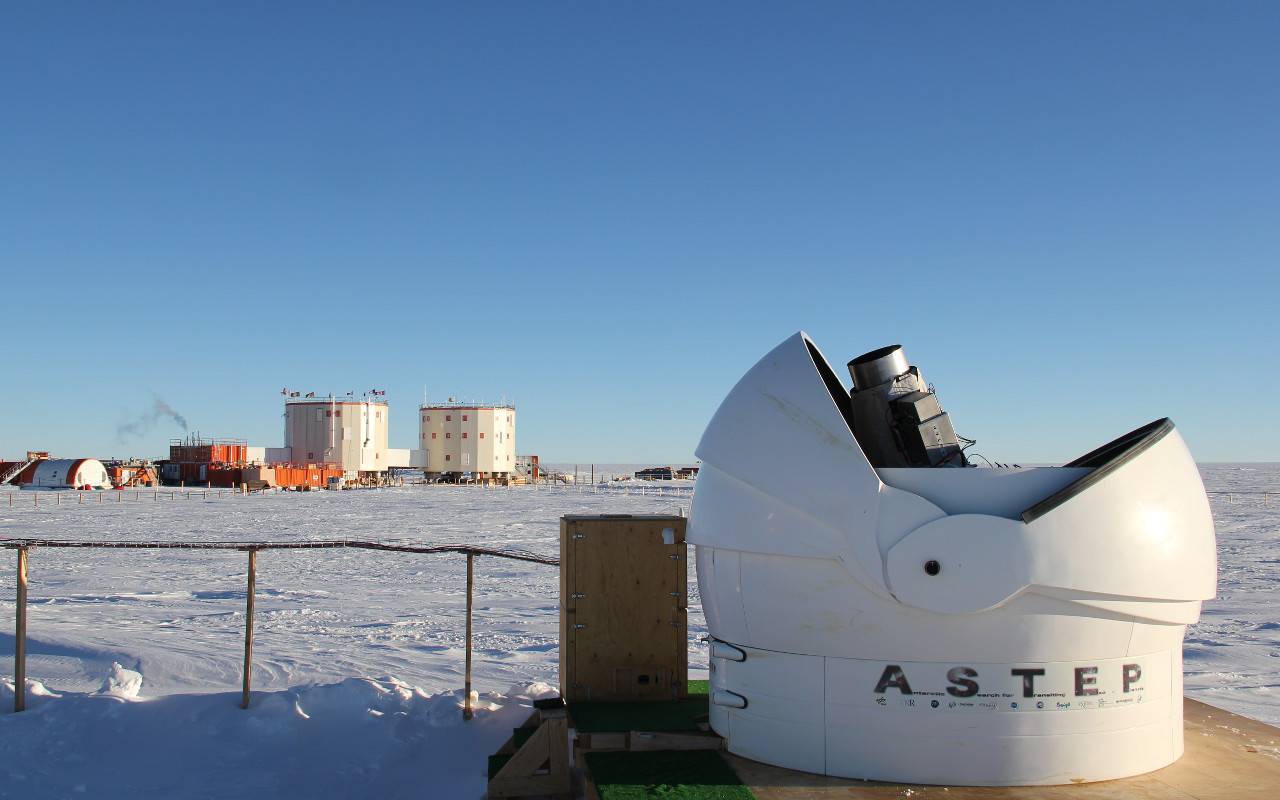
(160,410)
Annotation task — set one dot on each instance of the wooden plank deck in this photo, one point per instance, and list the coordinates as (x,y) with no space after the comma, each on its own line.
(1228,757)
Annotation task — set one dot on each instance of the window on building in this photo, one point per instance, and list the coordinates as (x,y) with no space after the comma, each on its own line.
(433,435)
(448,418)
(447,457)
(310,456)
(481,434)
(464,434)
(464,417)
(448,435)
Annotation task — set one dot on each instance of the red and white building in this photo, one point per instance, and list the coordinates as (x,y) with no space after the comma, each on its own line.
(57,473)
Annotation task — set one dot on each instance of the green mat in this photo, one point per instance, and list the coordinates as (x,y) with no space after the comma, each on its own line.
(671,715)
(685,774)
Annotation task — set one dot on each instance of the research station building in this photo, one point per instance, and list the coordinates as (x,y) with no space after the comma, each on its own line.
(475,439)
(349,433)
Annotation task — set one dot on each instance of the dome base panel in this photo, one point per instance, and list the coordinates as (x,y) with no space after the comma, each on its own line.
(1021,724)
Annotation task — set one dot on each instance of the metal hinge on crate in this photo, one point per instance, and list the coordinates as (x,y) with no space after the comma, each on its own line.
(675,556)
(579,536)
(578,625)
(578,595)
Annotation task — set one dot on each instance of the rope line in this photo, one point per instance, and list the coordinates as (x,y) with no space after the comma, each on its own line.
(331,544)
(1226,491)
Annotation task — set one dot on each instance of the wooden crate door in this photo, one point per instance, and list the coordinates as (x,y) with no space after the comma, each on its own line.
(629,596)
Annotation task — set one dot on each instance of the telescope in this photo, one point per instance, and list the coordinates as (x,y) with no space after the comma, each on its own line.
(881,608)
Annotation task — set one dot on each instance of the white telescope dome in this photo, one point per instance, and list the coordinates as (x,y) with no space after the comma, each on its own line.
(974,626)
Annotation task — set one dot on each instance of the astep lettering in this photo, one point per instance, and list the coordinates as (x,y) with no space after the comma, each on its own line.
(893,678)
(965,684)
(1028,680)
(960,677)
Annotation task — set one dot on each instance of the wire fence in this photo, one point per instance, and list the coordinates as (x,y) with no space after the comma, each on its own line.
(52,498)
(56,498)
(1231,496)
(25,546)
(619,488)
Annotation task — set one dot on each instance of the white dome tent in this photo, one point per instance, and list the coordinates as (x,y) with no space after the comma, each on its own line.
(67,473)
(941,625)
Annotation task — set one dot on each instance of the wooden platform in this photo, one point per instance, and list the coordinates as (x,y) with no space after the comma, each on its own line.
(1228,757)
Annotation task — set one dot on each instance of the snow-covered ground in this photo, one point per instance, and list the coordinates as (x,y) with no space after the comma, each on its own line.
(358,654)
(1232,656)
(176,616)
(356,738)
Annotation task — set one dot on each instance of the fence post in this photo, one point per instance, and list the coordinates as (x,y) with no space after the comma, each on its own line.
(20,637)
(248,627)
(466,689)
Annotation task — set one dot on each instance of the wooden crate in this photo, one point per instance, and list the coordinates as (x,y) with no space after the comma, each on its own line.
(623,598)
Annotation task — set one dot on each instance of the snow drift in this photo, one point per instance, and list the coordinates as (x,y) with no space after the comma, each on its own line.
(356,738)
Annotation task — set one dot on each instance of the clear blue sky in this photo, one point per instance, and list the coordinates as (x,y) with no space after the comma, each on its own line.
(1068,213)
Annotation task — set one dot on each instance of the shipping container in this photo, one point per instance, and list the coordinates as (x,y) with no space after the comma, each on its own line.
(194,450)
